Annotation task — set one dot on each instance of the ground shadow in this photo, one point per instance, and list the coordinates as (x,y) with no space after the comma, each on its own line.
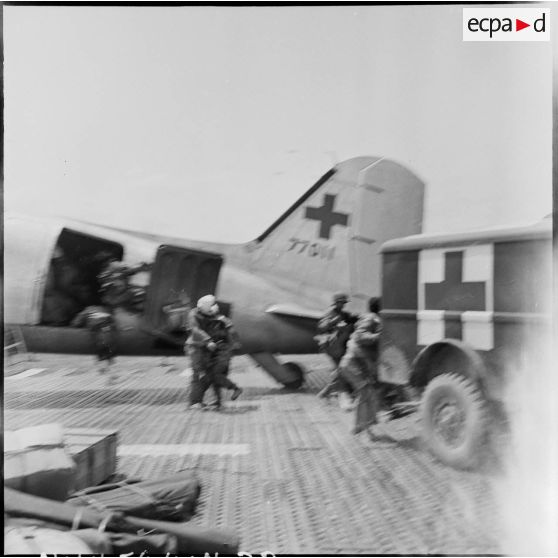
(387,441)
(238,410)
(259,392)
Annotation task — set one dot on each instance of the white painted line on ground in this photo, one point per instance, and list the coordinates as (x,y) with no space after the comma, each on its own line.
(157,450)
(26,374)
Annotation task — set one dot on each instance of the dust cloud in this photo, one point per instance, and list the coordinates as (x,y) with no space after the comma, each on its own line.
(528,491)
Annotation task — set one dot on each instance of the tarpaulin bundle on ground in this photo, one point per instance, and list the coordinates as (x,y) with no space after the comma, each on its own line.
(32,536)
(189,540)
(172,498)
(38,538)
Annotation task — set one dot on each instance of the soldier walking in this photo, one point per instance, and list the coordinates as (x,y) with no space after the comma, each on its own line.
(210,345)
(359,365)
(100,323)
(335,328)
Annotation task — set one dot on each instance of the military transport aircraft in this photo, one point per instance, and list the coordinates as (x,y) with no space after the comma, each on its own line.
(274,287)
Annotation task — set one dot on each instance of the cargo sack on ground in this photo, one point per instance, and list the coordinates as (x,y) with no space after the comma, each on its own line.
(37,462)
(172,498)
(128,544)
(98,541)
(33,540)
(189,539)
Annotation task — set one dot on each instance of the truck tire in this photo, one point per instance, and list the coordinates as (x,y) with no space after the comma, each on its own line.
(299,371)
(453,417)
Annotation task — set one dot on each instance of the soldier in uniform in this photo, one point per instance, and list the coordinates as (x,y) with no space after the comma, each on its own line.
(359,365)
(335,328)
(226,339)
(114,282)
(209,345)
(100,323)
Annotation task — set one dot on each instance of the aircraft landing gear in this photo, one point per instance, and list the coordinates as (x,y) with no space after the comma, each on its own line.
(296,369)
(290,374)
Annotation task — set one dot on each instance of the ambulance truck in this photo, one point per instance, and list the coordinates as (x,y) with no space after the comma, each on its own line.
(463,314)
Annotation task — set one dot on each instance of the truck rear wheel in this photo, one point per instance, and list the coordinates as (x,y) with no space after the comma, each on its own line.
(453,417)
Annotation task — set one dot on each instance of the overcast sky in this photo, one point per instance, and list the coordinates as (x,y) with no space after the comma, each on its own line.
(208,122)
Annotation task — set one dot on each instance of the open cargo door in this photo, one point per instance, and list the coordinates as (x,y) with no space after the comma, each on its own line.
(179,277)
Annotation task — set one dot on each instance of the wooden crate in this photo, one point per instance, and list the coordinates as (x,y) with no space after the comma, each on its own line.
(36,462)
(94,453)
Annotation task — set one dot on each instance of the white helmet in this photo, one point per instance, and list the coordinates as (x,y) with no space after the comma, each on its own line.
(207,305)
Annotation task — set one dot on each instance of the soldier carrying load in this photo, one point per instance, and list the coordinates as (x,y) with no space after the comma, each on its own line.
(335,328)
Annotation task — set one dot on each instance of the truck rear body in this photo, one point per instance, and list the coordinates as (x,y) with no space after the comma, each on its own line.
(483,296)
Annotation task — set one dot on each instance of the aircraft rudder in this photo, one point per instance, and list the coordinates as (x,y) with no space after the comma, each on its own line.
(329,239)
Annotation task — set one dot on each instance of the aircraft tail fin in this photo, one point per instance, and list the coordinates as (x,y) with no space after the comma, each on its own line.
(329,239)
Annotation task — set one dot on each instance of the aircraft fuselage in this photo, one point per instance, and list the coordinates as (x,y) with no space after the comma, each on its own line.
(274,288)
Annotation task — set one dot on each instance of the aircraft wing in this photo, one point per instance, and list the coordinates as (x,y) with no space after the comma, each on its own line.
(294,311)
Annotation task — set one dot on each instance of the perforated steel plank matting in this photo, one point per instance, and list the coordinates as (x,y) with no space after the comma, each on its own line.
(278,467)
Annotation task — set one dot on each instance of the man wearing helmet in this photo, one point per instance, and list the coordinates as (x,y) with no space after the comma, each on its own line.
(209,346)
(114,281)
(100,323)
(359,365)
(335,328)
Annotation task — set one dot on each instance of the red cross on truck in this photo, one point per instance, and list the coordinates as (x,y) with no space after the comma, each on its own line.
(462,314)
